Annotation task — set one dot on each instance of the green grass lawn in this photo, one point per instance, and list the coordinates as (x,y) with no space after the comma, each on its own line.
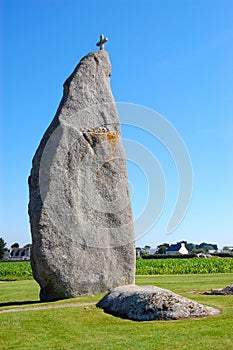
(90,328)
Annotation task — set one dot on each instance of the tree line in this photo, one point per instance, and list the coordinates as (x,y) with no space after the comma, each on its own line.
(191,247)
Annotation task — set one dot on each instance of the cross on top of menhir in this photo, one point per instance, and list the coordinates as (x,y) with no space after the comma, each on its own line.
(101,42)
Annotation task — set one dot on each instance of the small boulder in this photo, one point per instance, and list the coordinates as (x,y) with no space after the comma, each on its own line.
(145,303)
(222,291)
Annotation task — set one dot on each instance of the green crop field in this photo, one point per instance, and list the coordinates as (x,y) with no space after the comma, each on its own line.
(21,270)
(89,328)
(184,266)
(15,270)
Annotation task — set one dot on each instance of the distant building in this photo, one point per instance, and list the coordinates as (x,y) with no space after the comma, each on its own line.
(138,251)
(6,254)
(177,248)
(212,251)
(19,254)
(229,249)
(145,251)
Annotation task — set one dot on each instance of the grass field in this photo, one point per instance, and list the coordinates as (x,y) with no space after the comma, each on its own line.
(90,328)
(21,270)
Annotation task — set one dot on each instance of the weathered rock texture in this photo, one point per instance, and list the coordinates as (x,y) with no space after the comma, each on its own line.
(80,212)
(151,303)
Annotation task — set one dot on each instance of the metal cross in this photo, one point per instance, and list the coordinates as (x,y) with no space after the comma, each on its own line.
(101,42)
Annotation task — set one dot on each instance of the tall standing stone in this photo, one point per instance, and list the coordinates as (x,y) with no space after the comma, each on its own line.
(80,212)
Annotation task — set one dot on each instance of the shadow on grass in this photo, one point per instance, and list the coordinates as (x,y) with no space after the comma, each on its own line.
(18,303)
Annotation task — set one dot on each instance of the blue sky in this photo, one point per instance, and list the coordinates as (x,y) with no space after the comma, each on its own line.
(172,56)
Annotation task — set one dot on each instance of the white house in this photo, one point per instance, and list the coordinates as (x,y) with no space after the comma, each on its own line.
(19,254)
(177,248)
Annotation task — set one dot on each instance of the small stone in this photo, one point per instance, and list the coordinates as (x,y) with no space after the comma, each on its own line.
(222,291)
